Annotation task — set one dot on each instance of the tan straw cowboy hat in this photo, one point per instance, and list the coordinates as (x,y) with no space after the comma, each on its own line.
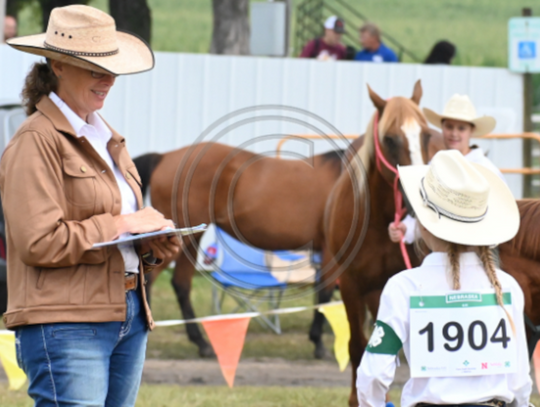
(459,201)
(460,107)
(86,37)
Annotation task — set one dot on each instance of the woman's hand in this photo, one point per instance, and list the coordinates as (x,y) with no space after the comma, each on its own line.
(396,231)
(164,248)
(149,220)
(143,221)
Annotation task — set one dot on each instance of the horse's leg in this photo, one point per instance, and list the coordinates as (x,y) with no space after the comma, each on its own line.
(181,282)
(323,296)
(355,304)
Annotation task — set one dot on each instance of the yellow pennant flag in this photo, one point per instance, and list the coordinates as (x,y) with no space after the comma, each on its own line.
(337,316)
(15,375)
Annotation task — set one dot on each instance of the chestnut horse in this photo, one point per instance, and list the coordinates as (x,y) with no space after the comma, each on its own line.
(367,262)
(520,257)
(278,204)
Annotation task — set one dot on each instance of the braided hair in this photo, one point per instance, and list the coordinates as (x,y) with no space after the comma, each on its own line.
(489,262)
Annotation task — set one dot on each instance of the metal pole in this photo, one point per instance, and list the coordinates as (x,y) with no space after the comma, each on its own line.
(2,18)
(527,122)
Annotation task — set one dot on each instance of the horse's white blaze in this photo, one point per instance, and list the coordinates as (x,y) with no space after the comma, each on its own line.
(412,129)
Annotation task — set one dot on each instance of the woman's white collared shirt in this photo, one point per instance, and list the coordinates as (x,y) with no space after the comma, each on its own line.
(98,135)
(376,371)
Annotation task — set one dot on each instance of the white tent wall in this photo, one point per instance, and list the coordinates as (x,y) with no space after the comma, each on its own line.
(169,107)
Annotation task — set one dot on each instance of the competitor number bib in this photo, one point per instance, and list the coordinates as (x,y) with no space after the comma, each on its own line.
(460,334)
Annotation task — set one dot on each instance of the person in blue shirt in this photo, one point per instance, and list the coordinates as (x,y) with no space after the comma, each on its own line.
(374,49)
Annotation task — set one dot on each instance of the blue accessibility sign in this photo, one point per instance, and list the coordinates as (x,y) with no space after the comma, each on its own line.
(526,49)
(524,44)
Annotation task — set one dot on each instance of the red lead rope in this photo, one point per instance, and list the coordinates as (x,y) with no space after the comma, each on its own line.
(398,197)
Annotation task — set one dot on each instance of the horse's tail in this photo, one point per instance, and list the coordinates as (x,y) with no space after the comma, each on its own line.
(145,167)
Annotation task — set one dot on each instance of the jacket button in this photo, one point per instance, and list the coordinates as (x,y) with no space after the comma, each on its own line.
(83,168)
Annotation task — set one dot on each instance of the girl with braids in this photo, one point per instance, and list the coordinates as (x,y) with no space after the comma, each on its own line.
(458,318)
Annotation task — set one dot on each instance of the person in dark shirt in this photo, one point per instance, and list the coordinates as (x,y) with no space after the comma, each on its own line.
(374,49)
(328,47)
(441,53)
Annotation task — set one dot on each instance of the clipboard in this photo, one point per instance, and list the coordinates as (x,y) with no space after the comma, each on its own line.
(151,235)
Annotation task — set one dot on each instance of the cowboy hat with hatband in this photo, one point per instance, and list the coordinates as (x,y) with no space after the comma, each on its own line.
(87,37)
(460,107)
(459,201)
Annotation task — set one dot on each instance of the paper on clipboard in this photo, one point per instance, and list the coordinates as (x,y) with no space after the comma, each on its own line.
(146,236)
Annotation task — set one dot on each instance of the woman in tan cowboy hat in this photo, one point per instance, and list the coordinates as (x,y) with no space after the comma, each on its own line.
(459,123)
(458,318)
(67,182)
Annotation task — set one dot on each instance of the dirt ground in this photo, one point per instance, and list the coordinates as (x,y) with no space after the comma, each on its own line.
(254,372)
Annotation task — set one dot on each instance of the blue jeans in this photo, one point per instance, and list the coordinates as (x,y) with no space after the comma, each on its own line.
(85,364)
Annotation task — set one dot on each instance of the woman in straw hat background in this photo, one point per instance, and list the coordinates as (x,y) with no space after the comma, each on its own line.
(458,318)
(459,123)
(67,182)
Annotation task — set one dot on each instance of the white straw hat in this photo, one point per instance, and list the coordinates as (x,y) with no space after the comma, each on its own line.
(460,107)
(87,37)
(459,201)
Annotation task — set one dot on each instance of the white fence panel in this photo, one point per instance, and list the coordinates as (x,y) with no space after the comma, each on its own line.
(169,107)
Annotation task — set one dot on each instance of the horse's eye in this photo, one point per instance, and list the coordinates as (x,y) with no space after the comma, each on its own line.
(390,142)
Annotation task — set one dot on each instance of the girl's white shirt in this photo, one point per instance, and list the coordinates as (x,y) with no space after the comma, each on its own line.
(376,371)
(477,156)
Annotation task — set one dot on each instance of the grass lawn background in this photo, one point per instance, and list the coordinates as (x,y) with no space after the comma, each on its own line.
(477,27)
(209,396)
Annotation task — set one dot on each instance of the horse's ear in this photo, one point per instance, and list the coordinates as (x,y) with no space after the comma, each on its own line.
(378,101)
(417,92)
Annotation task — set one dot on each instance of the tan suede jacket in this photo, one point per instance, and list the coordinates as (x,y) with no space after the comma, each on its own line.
(59,198)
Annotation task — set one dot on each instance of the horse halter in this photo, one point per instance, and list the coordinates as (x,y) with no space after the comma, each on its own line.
(440,211)
(398,197)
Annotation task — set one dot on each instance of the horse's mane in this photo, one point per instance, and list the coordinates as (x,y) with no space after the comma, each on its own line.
(527,240)
(398,109)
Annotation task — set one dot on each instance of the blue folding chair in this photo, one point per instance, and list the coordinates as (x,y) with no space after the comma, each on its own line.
(241,272)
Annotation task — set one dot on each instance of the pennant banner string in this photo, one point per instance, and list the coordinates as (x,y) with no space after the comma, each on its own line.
(172,322)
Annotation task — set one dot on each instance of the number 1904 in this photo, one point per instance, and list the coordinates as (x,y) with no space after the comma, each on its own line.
(455,339)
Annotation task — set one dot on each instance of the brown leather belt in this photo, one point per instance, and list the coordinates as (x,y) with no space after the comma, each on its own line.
(131,281)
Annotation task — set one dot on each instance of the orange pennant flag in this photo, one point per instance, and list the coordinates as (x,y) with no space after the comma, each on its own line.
(227,338)
(536,362)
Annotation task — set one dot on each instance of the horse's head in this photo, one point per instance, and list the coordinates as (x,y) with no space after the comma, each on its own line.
(403,132)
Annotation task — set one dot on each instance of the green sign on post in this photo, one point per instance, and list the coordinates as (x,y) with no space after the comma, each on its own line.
(524,44)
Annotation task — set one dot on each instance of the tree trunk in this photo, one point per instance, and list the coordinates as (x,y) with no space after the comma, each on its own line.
(48,5)
(133,16)
(231,27)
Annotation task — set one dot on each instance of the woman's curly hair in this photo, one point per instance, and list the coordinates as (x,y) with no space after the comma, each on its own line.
(39,82)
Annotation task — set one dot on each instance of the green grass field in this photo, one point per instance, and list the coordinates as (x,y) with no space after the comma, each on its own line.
(172,342)
(207,396)
(477,27)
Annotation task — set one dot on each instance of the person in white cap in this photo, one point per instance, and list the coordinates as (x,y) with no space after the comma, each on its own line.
(329,46)
(80,315)
(457,317)
(459,123)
